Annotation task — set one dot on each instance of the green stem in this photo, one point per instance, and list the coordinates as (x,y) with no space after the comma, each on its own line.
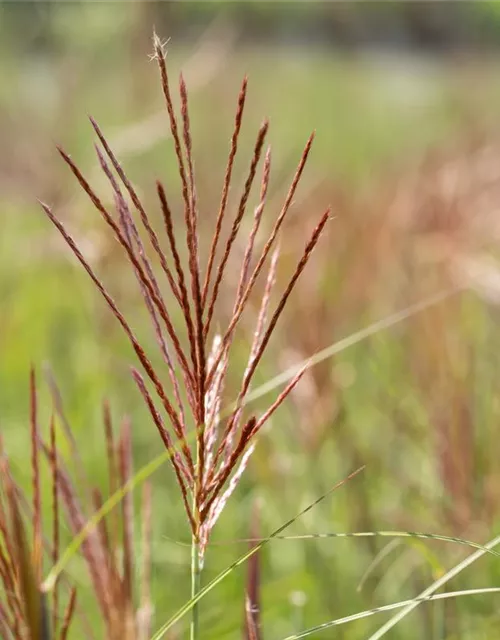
(195,548)
(195,586)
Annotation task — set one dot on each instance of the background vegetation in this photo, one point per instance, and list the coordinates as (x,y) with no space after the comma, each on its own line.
(407,154)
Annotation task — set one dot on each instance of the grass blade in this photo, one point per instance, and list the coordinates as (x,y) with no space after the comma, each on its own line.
(218,579)
(372,534)
(388,607)
(344,343)
(413,604)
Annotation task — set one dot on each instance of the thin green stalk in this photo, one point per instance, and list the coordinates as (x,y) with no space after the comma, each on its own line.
(195,550)
(195,586)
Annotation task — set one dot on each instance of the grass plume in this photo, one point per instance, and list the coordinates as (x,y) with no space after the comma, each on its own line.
(198,364)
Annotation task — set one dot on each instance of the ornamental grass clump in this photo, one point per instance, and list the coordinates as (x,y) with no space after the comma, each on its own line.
(209,447)
(119,582)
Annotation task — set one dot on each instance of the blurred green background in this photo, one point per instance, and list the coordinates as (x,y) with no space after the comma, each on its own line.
(404,98)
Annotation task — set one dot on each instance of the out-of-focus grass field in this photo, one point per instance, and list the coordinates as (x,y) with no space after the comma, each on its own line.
(406,153)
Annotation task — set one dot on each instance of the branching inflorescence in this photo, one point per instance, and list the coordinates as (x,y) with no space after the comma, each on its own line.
(208,466)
